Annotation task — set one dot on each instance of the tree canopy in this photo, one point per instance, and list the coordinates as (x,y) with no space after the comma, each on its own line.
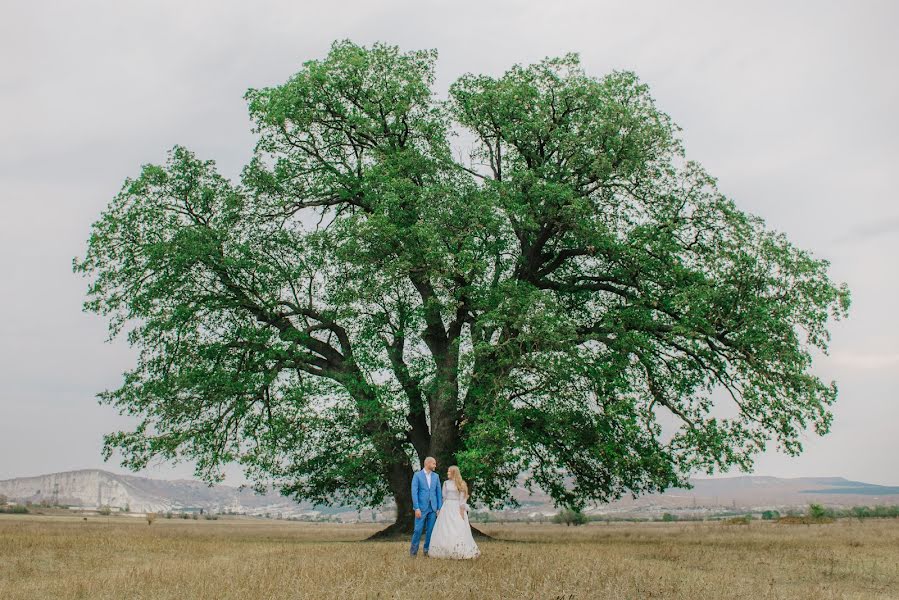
(527,278)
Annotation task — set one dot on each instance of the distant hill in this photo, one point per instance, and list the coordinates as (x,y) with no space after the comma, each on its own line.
(758,492)
(91,488)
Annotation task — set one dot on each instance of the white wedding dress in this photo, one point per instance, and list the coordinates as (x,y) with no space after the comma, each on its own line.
(451,537)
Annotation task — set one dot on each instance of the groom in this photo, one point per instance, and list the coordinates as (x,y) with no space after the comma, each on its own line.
(426,500)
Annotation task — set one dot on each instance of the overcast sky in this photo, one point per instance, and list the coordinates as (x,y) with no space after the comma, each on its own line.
(791,105)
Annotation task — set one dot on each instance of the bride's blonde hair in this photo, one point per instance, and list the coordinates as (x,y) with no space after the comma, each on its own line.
(454,474)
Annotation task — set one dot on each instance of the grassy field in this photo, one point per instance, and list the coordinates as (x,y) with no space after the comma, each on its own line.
(121,557)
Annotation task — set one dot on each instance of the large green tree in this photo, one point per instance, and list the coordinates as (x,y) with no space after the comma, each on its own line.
(574,302)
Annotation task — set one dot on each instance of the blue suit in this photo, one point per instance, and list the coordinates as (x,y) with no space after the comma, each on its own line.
(427,499)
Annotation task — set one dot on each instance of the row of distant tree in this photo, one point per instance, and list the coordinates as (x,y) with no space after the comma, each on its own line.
(569,516)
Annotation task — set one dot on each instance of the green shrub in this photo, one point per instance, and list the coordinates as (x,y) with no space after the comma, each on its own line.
(570,516)
(886,511)
(793,520)
(861,512)
(14,509)
(770,515)
(668,517)
(105,510)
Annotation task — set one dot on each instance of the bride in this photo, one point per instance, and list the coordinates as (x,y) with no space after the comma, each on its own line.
(452,537)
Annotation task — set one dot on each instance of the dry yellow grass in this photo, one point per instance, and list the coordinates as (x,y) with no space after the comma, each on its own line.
(119,558)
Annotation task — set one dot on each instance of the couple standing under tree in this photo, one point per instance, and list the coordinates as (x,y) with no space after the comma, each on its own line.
(442,513)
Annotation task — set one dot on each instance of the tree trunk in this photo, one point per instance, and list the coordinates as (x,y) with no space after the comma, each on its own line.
(444,440)
(444,415)
(400,478)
